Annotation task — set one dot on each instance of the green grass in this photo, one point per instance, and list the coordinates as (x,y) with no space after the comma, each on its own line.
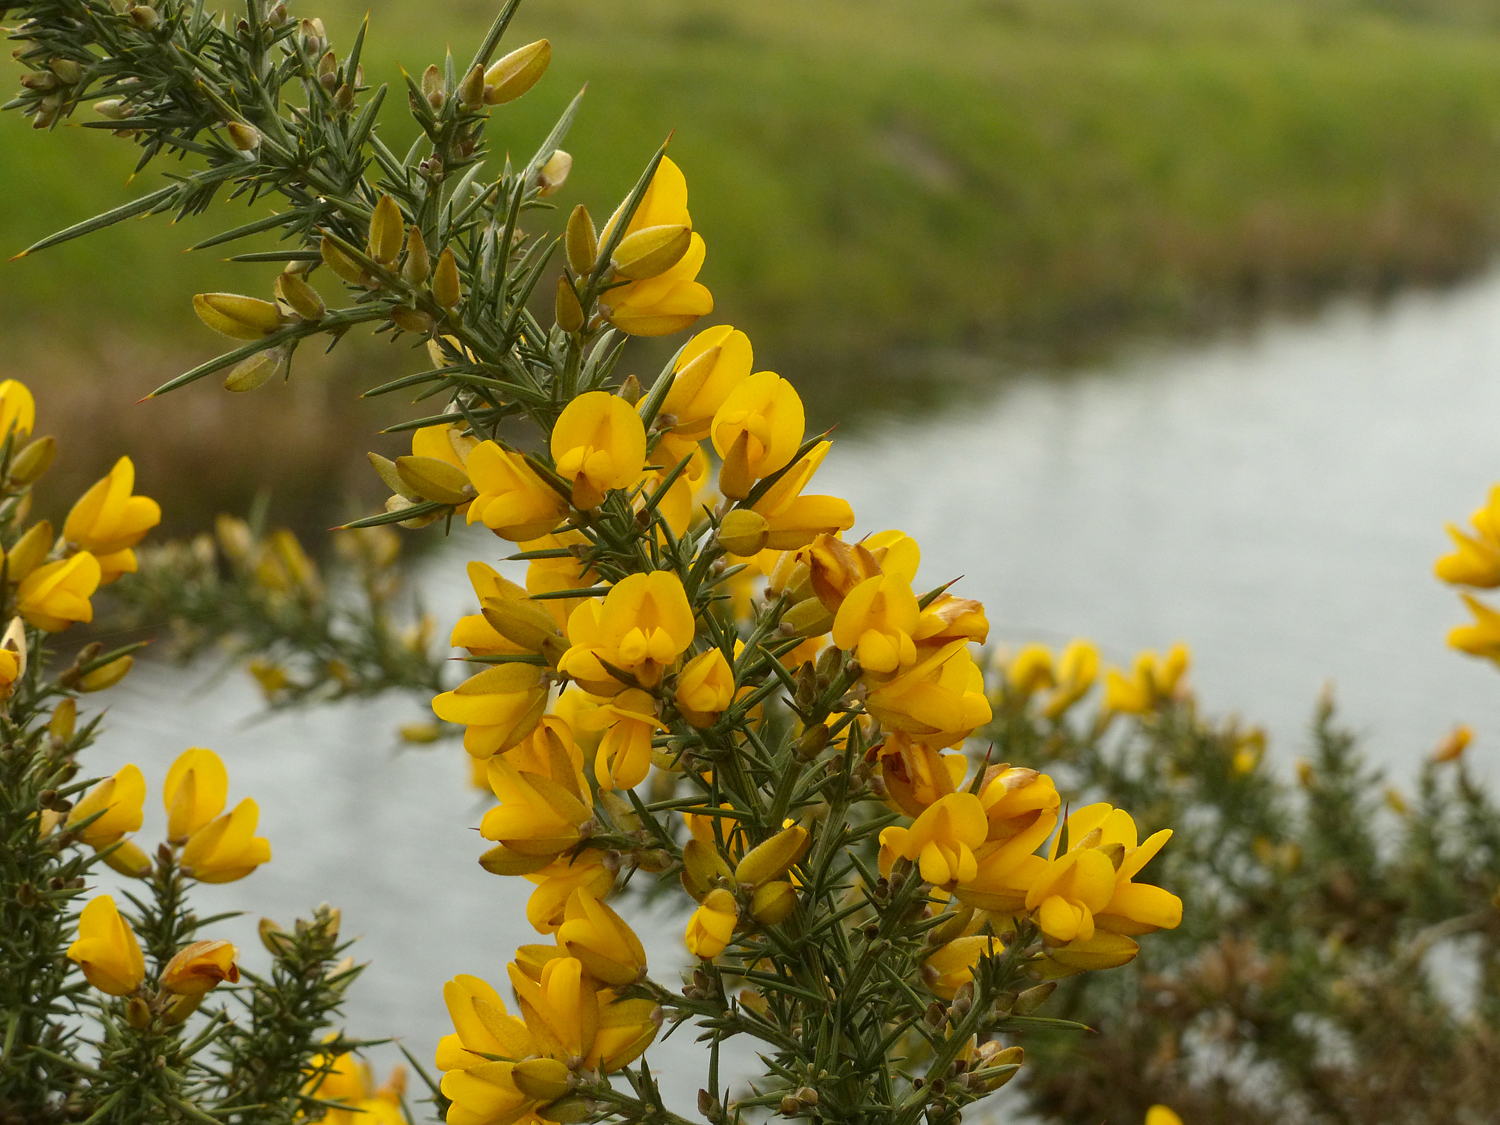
(881,182)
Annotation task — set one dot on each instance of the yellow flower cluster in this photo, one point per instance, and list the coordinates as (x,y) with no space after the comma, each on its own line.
(1475,563)
(214,848)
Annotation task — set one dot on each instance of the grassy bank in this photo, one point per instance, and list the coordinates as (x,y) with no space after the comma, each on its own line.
(882,184)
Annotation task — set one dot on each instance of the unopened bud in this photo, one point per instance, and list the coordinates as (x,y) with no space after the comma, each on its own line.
(551,176)
(129,860)
(67,71)
(651,251)
(569,312)
(432,86)
(60,726)
(107,676)
(581,242)
(743,532)
(115,109)
(434,479)
(236,316)
(33,460)
(1033,998)
(420,733)
(138,1014)
(517,72)
(445,286)
(244,137)
(387,229)
(341,263)
(299,296)
(411,320)
(145,17)
(471,89)
(631,390)
(813,741)
(773,903)
(29,551)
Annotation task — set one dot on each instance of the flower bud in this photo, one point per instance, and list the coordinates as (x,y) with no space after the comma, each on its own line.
(808,618)
(138,1014)
(568,311)
(68,71)
(517,72)
(813,741)
(651,251)
(581,242)
(60,726)
(414,321)
(341,264)
(567,1111)
(544,1079)
(773,858)
(115,109)
(434,479)
(107,676)
(145,17)
(743,532)
(702,868)
(551,176)
(1033,998)
(244,137)
(712,924)
(432,86)
(33,460)
(241,318)
(255,371)
(276,940)
(386,231)
(299,296)
(526,624)
(129,860)
(420,733)
(773,903)
(471,89)
(29,551)
(445,286)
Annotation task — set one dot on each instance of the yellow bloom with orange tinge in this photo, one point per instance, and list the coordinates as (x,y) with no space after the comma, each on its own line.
(916,775)
(952,965)
(756,431)
(948,618)
(56,595)
(710,366)
(200,967)
(705,688)
(598,443)
(513,501)
(941,841)
(629,721)
(196,788)
(226,849)
(940,700)
(600,941)
(1092,884)
(712,924)
(107,518)
(1476,561)
(107,950)
(499,706)
(642,626)
(17,410)
(1482,638)
(121,799)
(876,621)
(1154,680)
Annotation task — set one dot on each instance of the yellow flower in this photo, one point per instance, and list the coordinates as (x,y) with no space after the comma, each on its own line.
(1006,869)
(345,1079)
(1161,1115)
(106,949)
(705,688)
(952,965)
(624,757)
(55,595)
(194,793)
(538,817)
(712,924)
(626,1029)
(513,501)
(1091,885)
(600,941)
(877,621)
(1029,672)
(772,858)
(598,443)
(547,908)
(500,706)
(948,618)
(1153,681)
(283,567)
(1453,746)
(480,1056)
(1103,950)
(17,410)
(226,849)
(572,707)
(1077,669)
(551,750)
(756,431)
(671,300)
(789,520)
(474,632)
(1015,798)
(941,841)
(201,966)
(1476,562)
(1482,638)
(107,518)
(546,576)
(561,1008)
(939,701)
(121,800)
(643,625)
(835,568)
(711,364)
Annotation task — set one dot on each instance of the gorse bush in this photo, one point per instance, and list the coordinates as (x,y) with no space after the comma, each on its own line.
(701,684)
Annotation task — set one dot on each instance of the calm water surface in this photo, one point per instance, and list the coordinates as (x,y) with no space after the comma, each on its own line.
(1275,501)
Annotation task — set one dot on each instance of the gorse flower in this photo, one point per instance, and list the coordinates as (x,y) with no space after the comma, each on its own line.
(107,950)
(201,967)
(1153,680)
(640,627)
(660,250)
(117,805)
(17,410)
(56,595)
(757,430)
(499,706)
(226,849)
(108,521)
(598,444)
(1476,560)
(512,501)
(194,792)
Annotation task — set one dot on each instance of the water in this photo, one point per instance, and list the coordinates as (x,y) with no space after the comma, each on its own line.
(1276,501)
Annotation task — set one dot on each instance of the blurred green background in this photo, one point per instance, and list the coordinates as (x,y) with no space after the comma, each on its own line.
(901,201)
